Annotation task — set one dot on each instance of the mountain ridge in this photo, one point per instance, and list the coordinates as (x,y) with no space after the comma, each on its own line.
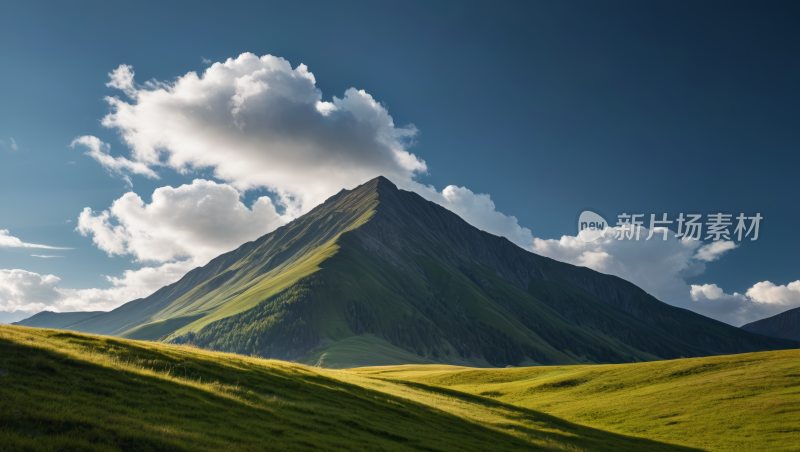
(400,271)
(785,325)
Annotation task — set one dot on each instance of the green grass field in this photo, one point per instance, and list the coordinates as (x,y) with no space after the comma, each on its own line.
(69,391)
(741,402)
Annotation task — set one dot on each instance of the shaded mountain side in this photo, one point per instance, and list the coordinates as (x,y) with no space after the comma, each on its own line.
(405,223)
(406,275)
(785,325)
(57,320)
(468,316)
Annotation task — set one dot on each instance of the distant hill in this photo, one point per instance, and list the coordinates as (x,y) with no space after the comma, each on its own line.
(11,317)
(785,325)
(378,275)
(57,320)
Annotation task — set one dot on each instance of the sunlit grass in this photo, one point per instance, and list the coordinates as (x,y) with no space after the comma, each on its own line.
(728,403)
(68,391)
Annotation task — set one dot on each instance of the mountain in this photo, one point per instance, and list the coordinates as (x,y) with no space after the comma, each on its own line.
(378,275)
(785,325)
(11,317)
(57,320)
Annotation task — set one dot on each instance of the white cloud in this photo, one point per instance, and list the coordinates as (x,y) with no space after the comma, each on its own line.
(657,266)
(768,293)
(258,122)
(27,291)
(116,165)
(205,60)
(122,79)
(181,229)
(764,299)
(14,144)
(714,250)
(198,221)
(7,241)
(31,292)
(662,267)
(44,256)
(476,209)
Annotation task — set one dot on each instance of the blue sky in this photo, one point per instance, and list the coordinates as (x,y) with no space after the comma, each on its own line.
(550,109)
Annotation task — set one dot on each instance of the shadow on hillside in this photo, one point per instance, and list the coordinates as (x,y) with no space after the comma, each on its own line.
(567,429)
(51,400)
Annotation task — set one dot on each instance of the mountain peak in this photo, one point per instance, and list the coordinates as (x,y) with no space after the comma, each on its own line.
(380,183)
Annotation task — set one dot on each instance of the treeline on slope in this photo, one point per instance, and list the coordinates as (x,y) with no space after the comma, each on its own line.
(281,327)
(275,328)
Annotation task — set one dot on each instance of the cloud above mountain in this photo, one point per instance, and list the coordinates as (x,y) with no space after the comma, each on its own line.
(258,122)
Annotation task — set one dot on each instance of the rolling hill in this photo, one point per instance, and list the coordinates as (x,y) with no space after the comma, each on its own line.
(62,390)
(785,325)
(378,275)
(742,402)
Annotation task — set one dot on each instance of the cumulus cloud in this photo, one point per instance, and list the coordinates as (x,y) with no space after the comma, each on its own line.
(768,293)
(8,241)
(198,221)
(258,122)
(122,79)
(662,267)
(180,229)
(477,209)
(764,299)
(31,292)
(658,266)
(714,250)
(26,291)
(115,165)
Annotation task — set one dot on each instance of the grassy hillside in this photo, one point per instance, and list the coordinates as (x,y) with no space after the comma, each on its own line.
(365,350)
(69,391)
(741,402)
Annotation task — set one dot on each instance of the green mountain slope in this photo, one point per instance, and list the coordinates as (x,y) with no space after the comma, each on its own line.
(412,279)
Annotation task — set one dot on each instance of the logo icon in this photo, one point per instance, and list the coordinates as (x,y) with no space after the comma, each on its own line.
(591,226)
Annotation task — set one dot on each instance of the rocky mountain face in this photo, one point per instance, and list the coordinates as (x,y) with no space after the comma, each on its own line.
(785,325)
(413,280)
